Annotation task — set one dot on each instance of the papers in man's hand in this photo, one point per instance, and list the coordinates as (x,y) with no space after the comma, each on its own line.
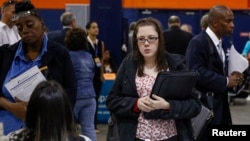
(236,62)
(23,85)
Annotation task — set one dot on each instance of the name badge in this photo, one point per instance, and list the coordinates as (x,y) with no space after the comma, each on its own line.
(98,62)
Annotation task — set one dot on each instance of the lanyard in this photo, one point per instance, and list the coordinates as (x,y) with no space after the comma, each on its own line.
(96,50)
(94,45)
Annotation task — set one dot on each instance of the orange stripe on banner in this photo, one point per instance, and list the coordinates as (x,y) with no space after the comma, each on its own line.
(54,4)
(185,4)
(156,4)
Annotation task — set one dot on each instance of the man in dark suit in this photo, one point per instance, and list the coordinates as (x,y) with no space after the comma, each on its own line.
(68,21)
(211,64)
(176,40)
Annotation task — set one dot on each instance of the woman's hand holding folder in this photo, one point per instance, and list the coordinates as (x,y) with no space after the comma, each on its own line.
(159,102)
(147,104)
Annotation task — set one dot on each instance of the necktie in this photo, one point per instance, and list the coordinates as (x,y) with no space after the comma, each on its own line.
(220,51)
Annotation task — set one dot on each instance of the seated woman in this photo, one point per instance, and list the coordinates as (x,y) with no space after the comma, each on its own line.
(108,63)
(49,116)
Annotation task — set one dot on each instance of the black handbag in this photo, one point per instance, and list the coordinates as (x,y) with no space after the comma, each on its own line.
(201,121)
(113,130)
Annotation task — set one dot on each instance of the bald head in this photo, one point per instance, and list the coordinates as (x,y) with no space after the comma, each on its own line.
(217,12)
(174,21)
(220,20)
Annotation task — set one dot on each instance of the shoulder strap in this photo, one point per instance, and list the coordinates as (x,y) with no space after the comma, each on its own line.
(211,53)
(210,100)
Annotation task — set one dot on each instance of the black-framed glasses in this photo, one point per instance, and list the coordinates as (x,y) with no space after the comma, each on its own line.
(150,39)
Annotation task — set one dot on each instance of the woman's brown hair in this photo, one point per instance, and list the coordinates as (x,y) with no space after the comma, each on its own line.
(161,62)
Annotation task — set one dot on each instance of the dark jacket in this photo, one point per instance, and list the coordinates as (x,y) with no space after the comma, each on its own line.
(58,36)
(176,40)
(57,59)
(84,67)
(212,76)
(96,52)
(123,96)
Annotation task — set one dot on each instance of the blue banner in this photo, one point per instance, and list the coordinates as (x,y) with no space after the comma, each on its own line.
(103,113)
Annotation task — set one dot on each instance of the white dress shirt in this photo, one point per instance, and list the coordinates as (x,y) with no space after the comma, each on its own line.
(8,35)
(217,42)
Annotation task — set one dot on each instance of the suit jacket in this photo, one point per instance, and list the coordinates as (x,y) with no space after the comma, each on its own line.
(212,77)
(57,59)
(123,96)
(58,36)
(176,40)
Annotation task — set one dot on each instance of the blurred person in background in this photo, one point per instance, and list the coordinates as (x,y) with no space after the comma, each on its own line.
(204,21)
(127,49)
(246,49)
(49,116)
(84,67)
(96,49)
(8,30)
(108,63)
(187,27)
(176,40)
(68,22)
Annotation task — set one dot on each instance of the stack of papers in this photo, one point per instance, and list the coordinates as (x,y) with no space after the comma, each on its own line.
(23,85)
(236,62)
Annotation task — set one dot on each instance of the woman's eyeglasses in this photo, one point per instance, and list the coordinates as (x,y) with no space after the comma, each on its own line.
(150,39)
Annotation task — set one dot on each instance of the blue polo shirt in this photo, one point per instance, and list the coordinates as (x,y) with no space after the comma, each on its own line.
(19,65)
